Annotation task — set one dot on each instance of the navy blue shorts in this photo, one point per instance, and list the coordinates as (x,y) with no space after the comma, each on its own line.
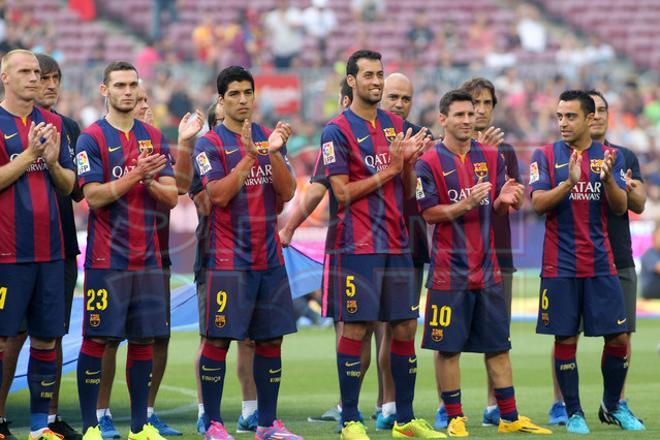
(597,302)
(122,304)
(327,292)
(253,304)
(32,291)
(167,296)
(374,287)
(474,321)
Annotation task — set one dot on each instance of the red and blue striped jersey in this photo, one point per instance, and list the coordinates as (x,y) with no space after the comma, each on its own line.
(463,252)
(30,225)
(123,234)
(374,224)
(243,235)
(576,243)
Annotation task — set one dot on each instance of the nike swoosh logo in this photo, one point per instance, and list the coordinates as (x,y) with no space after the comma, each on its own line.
(448,173)
(92,373)
(205,368)
(621,322)
(413,308)
(352,364)
(275,371)
(10,136)
(412,360)
(231,151)
(113,149)
(47,384)
(360,140)
(561,165)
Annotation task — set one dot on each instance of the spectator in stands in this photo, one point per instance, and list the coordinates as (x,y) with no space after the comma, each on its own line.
(420,37)
(368,10)
(240,40)
(531,31)
(650,276)
(159,7)
(203,37)
(284,33)
(598,52)
(480,38)
(320,21)
(146,59)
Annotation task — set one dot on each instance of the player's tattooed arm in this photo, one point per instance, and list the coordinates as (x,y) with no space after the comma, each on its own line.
(616,196)
(283,181)
(443,213)
(190,125)
(12,171)
(99,194)
(544,201)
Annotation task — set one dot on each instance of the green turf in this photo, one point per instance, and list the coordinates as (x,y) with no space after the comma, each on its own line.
(309,385)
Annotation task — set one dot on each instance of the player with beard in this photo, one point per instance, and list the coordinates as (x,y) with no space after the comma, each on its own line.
(125,172)
(461,185)
(35,164)
(370,163)
(572,182)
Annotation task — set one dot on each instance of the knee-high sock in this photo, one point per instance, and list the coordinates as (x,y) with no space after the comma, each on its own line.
(453,405)
(348,368)
(42,371)
(614,366)
(89,380)
(139,362)
(212,366)
(404,373)
(506,402)
(567,376)
(267,370)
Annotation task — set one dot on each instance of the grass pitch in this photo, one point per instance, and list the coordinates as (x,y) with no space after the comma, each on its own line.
(309,386)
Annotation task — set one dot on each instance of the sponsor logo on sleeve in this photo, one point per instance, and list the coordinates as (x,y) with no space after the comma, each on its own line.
(328,149)
(203,163)
(534,175)
(83,162)
(419,189)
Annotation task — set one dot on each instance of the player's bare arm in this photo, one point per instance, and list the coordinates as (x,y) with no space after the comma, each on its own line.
(616,197)
(511,195)
(636,193)
(63,179)
(347,192)
(202,203)
(99,195)
(413,148)
(448,213)
(546,200)
(283,181)
(222,191)
(163,189)
(190,125)
(12,171)
(310,200)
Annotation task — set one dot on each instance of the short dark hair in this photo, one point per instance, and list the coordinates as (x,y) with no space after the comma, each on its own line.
(452,96)
(586,101)
(346,90)
(476,85)
(594,92)
(351,65)
(116,66)
(210,115)
(47,64)
(231,74)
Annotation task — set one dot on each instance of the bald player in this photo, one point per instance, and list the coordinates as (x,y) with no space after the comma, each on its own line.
(398,99)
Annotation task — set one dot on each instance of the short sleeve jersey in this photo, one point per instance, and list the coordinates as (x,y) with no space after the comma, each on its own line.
(243,235)
(121,235)
(576,243)
(30,224)
(501,223)
(352,146)
(463,251)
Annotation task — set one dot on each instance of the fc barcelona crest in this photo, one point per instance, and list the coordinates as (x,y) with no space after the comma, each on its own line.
(390,134)
(262,148)
(437,334)
(595,165)
(220,321)
(94,319)
(145,146)
(351,306)
(481,169)
(545,317)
